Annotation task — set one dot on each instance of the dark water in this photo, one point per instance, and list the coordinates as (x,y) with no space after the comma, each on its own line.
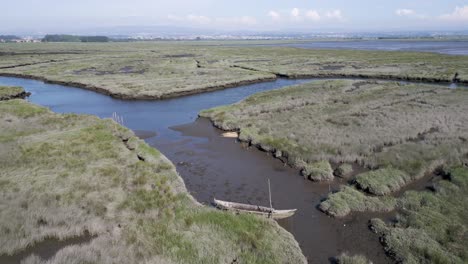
(154,116)
(45,249)
(215,166)
(443,47)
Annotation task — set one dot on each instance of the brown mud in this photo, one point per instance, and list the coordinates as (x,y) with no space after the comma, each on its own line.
(144,134)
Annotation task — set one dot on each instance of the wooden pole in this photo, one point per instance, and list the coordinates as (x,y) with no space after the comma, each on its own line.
(269,192)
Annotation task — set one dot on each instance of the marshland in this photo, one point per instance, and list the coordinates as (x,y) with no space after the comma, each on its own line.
(373,157)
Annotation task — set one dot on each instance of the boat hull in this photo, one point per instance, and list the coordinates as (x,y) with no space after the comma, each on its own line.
(254,209)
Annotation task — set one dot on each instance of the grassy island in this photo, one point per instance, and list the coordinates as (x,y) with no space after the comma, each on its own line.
(65,175)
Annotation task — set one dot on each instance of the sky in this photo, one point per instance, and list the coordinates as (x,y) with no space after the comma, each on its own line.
(259,15)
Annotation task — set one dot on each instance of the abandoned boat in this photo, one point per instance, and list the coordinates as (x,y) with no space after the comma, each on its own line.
(254,209)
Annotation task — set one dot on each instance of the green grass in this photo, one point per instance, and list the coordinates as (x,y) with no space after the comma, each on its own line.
(382,181)
(431,226)
(344,258)
(348,200)
(8,92)
(19,109)
(64,175)
(318,171)
(344,170)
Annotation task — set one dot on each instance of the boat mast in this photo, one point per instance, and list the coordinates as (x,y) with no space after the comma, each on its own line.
(269,192)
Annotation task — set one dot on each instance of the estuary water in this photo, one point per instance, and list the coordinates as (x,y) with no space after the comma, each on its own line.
(455,47)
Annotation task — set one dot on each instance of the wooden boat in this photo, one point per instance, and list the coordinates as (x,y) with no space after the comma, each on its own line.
(254,209)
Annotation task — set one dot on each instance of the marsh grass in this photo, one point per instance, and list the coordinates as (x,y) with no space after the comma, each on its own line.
(382,181)
(343,170)
(345,258)
(318,171)
(399,132)
(65,175)
(348,199)
(158,69)
(410,128)
(431,226)
(9,92)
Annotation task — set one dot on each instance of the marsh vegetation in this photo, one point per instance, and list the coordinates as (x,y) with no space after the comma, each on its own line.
(397,132)
(167,69)
(11,92)
(65,175)
(431,226)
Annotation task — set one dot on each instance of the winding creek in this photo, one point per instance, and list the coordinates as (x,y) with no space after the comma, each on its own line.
(213,166)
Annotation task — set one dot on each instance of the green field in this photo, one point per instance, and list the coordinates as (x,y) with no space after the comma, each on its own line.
(154,70)
(65,175)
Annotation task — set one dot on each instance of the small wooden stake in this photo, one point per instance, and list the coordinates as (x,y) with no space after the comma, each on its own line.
(269,192)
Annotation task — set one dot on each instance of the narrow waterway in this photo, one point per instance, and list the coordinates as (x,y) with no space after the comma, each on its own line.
(213,166)
(450,47)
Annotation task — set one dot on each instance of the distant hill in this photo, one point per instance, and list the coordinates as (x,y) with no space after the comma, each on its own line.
(72,38)
(9,37)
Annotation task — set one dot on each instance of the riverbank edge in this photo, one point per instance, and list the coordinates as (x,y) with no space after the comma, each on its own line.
(281,232)
(122,96)
(20,94)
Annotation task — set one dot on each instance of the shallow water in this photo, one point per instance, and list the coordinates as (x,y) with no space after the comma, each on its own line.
(45,249)
(443,47)
(212,165)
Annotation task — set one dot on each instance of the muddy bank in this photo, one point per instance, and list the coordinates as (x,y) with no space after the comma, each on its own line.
(215,166)
(46,249)
(144,134)
(381,77)
(212,88)
(20,95)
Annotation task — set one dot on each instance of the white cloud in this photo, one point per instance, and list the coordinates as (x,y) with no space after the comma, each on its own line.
(274,15)
(204,20)
(405,12)
(174,18)
(244,20)
(459,14)
(295,13)
(199,19)
(313,15)
(334,14)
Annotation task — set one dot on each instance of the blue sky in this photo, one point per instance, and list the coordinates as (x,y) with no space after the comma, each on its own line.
(56,15)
